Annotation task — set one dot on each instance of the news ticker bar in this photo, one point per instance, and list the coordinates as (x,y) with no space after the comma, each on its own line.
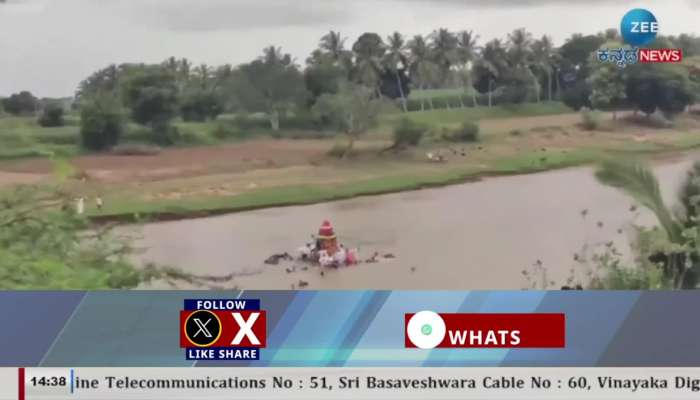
(349,383)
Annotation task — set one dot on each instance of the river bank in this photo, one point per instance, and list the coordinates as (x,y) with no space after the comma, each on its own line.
(479,235)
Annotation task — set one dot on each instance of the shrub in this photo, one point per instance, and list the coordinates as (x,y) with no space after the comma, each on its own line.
(516,132)
(467,132)
(163,133)
(225,131)
(200,106)
(52,116)
(137,133)
(337,151)
(577,96)
(102,124)
(136,150)
(590,119)
(408,133)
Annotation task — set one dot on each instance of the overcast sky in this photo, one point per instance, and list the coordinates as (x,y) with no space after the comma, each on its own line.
(48,46)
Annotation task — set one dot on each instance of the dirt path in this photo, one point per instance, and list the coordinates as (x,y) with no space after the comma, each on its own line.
(186,162)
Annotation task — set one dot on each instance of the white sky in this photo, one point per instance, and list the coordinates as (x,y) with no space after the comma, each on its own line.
(48,46)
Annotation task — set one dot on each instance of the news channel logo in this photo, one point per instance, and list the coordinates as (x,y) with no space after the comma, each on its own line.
(222,329)
(639,27)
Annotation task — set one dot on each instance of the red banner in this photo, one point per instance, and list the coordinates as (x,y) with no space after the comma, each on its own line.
(486,331)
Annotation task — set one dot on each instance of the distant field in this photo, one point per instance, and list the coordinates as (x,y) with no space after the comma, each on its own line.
(456,116)
(433,93)
(22,137)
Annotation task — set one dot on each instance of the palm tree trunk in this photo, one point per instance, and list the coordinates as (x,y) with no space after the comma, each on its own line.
(275,120)
(490,98)
(403,97)
(549,85)
(471,89)
(430,101)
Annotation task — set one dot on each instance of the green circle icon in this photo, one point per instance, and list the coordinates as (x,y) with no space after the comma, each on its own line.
(426,329)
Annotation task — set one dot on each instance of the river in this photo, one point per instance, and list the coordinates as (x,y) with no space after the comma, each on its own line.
(478,235)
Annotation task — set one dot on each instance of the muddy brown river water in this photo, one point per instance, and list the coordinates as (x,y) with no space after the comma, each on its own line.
(478,235)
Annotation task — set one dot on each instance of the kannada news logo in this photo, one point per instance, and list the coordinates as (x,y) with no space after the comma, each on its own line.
(222,329)
(639,27)
(429,330)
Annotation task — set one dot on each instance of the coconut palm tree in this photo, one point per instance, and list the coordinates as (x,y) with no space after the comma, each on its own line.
(423,69)
(395,59)
(444,51)
(466,55)
(542,60)
(202,73)
(369,52)
(333,44)
(494,60)
(682,267)
(519,48)
(520,55)
(273,55)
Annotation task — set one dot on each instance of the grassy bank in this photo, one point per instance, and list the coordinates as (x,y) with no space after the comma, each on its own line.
(218,176)
(129,210)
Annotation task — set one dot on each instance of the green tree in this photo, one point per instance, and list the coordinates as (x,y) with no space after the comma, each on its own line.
(659,86)
(424,72)
(353,111)
(332,49)
(105,81)
(269,85)
(21,103)
(52,116)
(200,105)
(607,83)
(520,78)
(323,78)
(519,48)
(101,123)
(369,50)
(152,95)
(466,57)
(543,61)
(490,68)
(678,254)
(576,52)
(444,51)
(396,60)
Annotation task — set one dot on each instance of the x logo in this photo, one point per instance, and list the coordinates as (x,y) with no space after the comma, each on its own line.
(245,329)
(202,328)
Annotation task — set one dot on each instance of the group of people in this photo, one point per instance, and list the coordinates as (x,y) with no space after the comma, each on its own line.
(327,251)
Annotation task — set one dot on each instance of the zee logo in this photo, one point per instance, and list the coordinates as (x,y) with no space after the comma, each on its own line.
(222,329)
(639,27)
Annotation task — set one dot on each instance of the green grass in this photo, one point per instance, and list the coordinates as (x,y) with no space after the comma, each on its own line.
(458,115)
(433,93)
(128,209)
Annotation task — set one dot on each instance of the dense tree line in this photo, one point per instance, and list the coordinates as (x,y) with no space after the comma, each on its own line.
(517,69)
